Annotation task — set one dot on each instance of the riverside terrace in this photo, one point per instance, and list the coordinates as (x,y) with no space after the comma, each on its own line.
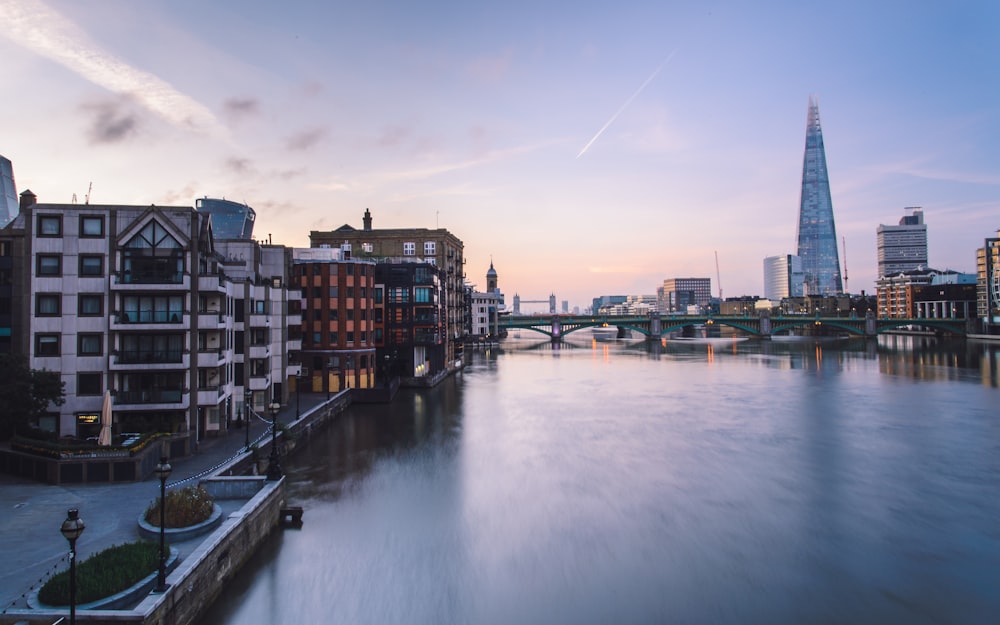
(33,547)
(655,326)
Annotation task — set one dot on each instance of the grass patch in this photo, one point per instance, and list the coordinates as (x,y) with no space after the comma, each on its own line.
(104,574)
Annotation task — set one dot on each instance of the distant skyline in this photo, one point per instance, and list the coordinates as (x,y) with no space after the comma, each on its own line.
(587,149)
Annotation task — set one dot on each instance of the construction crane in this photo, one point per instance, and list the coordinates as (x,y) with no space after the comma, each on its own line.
(843,240)
(718,276)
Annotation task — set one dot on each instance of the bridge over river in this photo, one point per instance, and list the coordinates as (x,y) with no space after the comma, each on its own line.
(655,326)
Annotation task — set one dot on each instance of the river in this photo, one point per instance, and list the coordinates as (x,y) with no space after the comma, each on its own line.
(693,482)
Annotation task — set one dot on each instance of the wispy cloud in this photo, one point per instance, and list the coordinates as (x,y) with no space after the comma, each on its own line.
(305,139)
(239,108)
(113,121)
(36,27)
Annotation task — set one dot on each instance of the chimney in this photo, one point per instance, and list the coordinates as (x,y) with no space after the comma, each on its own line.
(368,220)
(27,199)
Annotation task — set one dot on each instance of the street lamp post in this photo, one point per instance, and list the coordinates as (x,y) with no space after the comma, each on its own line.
(71,529)
(246,420)
(298,394)
(273,468)
(163,472)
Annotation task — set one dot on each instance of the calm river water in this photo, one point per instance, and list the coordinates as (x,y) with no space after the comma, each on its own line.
(731,482)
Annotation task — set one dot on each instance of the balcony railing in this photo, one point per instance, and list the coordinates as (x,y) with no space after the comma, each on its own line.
(150,396)
(143,277)
(150,316)
(127,357)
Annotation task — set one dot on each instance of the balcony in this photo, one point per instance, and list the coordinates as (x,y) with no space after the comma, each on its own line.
(425,337)
(211,283)
(208,319)
(142,281)
(149,320)
(134,357)
(209,357)
(145,397)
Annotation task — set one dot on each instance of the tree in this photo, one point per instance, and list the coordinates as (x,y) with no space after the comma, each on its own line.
(25,394)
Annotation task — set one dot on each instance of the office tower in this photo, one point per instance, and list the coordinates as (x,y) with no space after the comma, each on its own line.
(817,234)
(783,277)
(8,193)
(230,220)
(903,247)
(677,294)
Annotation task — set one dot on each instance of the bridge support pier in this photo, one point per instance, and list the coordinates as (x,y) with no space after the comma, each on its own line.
(556,330)
(655,327)
(871,326)
(765,324)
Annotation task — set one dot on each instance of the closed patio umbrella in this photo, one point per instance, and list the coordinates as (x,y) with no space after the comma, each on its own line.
(104,439)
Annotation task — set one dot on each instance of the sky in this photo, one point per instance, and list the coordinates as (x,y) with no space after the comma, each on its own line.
(584,148)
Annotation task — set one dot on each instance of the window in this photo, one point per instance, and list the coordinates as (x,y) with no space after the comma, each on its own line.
(378,295)
(152,309)
(349,270)
(430,248)
(350,337)
(333,292)
(422,294)
(350,314)
(259,336)
(90,344)
(49,264)
(350,291)
(89,384)
(399,295)
(409,248)
(91,265)
(90,305)
(367,247)
(50,225)
(47,345)
(91,226)
(258,367)
(152,257)
(317,338)
(48,304)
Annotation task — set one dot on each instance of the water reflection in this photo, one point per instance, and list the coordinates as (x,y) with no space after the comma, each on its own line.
(722,482)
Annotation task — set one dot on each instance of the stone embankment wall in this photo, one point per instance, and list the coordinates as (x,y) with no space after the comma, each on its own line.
(201,576)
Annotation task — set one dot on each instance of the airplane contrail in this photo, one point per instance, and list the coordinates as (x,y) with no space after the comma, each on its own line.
(627,102)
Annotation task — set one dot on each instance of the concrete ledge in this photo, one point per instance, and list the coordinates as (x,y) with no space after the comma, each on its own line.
(180,534)
(233,487)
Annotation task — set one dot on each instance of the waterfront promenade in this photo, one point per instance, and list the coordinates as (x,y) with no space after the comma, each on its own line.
(30,540)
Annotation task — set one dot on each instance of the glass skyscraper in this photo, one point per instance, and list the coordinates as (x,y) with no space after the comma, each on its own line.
(8,194)
(817,234)
(230,220)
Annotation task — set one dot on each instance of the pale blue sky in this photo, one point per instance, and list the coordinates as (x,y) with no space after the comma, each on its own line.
(473,117)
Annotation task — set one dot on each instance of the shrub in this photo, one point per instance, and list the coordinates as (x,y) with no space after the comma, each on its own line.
(185,507)
(103,574)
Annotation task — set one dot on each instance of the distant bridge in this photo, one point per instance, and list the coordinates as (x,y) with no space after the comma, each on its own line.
(655,326)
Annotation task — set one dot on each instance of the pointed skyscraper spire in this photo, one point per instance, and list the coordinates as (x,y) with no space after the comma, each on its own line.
(817,234)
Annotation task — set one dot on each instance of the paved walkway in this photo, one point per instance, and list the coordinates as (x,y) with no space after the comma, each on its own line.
(31,513)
